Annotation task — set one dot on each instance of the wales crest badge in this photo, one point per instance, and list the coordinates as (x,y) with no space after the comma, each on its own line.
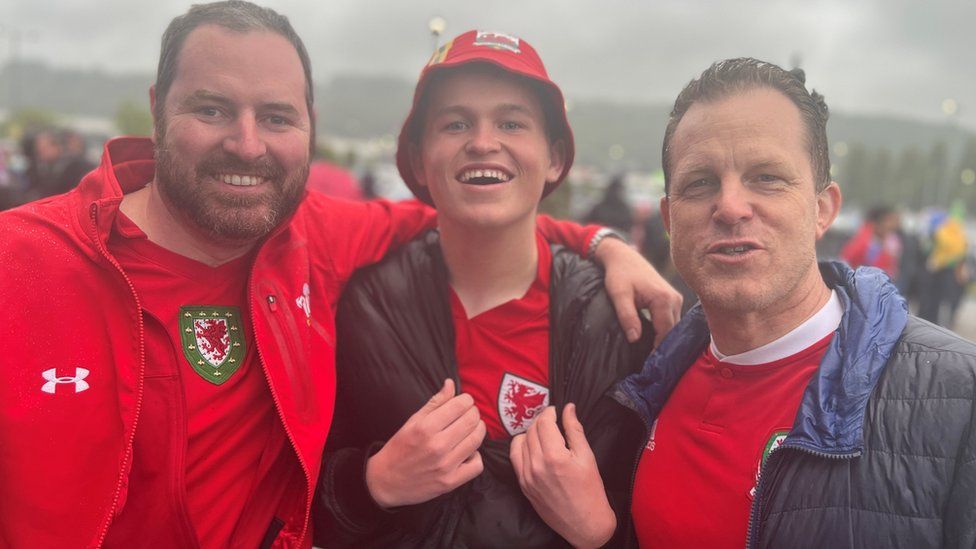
(213,341)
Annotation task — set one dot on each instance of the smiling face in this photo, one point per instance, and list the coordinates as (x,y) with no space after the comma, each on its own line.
(743,212)
(484,155)
(232,146)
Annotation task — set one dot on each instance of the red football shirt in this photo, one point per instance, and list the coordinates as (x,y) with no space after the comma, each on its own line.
(503,355)
(233,438)
(695,481)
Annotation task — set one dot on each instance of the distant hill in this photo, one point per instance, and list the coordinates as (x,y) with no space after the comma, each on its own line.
(366,106)
(70,91)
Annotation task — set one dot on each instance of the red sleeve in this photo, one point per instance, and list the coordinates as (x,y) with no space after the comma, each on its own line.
(572,235)
(360,233)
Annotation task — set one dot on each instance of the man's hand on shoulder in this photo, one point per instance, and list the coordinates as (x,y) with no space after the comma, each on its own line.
(632,284)
(434,452)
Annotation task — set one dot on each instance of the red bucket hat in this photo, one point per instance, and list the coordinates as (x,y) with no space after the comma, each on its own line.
(508,53)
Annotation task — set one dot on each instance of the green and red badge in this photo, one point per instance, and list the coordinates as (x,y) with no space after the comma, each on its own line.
(213,341)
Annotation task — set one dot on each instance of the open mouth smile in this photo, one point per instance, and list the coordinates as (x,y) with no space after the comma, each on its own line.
(484,176)
(239,180)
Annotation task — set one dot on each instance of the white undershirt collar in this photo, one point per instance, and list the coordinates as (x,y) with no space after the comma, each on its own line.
(812,330)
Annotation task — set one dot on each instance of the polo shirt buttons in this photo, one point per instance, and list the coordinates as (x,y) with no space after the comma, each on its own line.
(726,372)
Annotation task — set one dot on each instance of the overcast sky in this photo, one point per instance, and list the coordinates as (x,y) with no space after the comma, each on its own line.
(873,56)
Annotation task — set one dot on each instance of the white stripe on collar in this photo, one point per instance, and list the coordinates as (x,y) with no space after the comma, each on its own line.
(813,329)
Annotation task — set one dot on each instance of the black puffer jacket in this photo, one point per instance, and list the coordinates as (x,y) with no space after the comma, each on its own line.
(395,348)
(883,450)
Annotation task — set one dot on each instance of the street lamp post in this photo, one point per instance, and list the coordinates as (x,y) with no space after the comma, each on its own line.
(950,108)
(436,25)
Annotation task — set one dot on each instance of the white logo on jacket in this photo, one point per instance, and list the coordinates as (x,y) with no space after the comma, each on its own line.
(304,303)
(53,380)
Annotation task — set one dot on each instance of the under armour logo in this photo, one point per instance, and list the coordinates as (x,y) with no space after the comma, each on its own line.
(53,380)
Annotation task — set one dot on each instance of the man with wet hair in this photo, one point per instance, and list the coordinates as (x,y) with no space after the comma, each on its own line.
(169,324)
(799,405)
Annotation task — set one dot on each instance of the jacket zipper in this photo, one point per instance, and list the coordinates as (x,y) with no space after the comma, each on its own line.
(753,530)
(139,391)
(636,461)
(272,306)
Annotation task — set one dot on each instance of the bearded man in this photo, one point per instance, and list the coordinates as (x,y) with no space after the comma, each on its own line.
(169,324)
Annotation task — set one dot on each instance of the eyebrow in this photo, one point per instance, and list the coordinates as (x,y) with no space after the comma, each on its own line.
(776,164)
(517,107)
(461,109)
(201,96)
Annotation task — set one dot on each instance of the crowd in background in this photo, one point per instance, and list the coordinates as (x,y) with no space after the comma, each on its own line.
(48,161)
(932,263)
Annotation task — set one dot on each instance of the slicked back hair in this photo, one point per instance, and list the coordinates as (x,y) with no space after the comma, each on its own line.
(732,76)
(235,15)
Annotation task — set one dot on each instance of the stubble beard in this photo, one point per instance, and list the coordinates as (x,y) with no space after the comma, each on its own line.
(227,216)
(741,293)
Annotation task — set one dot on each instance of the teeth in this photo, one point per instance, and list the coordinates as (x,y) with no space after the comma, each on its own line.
(493,174)
(240,180)
(734,250)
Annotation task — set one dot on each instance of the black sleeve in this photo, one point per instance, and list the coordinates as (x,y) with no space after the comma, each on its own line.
(601,356)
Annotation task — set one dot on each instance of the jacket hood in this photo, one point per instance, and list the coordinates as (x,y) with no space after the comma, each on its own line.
(831,415)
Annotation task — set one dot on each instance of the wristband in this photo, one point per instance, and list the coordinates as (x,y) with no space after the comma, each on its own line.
(603,232)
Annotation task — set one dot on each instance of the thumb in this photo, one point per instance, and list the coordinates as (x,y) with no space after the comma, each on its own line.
(515,454)
(440,397)
(575,437)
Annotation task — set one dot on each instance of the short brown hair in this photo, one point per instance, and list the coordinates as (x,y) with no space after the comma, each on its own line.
(236,15)
(731,76)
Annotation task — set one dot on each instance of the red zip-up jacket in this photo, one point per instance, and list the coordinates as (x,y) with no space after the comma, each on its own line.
(72,348)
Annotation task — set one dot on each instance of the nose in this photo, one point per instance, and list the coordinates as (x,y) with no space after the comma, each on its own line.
(733,204)
(483,140)
(244,140)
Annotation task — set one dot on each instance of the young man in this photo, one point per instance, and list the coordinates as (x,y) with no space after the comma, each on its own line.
(169,325)
(520,328)
(800,405)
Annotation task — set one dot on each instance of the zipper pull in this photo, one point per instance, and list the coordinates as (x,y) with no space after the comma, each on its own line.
(272,303)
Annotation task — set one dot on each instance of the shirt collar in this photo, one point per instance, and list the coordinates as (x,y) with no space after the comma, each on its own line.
(820,325)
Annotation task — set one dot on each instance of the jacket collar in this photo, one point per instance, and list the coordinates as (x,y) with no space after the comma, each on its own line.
(127,165)
(831,415)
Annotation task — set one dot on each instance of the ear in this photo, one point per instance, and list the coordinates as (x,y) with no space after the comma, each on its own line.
(557,160)
(666,213)
(152,110)
(828,206)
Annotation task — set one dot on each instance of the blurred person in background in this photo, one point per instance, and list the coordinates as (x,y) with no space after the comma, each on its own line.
(368,184)
(11,185)
(946,270)
(56,161)
(655,246)
(613,209)
(877,243)
(332,180)
(43,151)
(73,163)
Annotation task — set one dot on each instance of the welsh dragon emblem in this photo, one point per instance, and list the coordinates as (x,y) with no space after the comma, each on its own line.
(213,341)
